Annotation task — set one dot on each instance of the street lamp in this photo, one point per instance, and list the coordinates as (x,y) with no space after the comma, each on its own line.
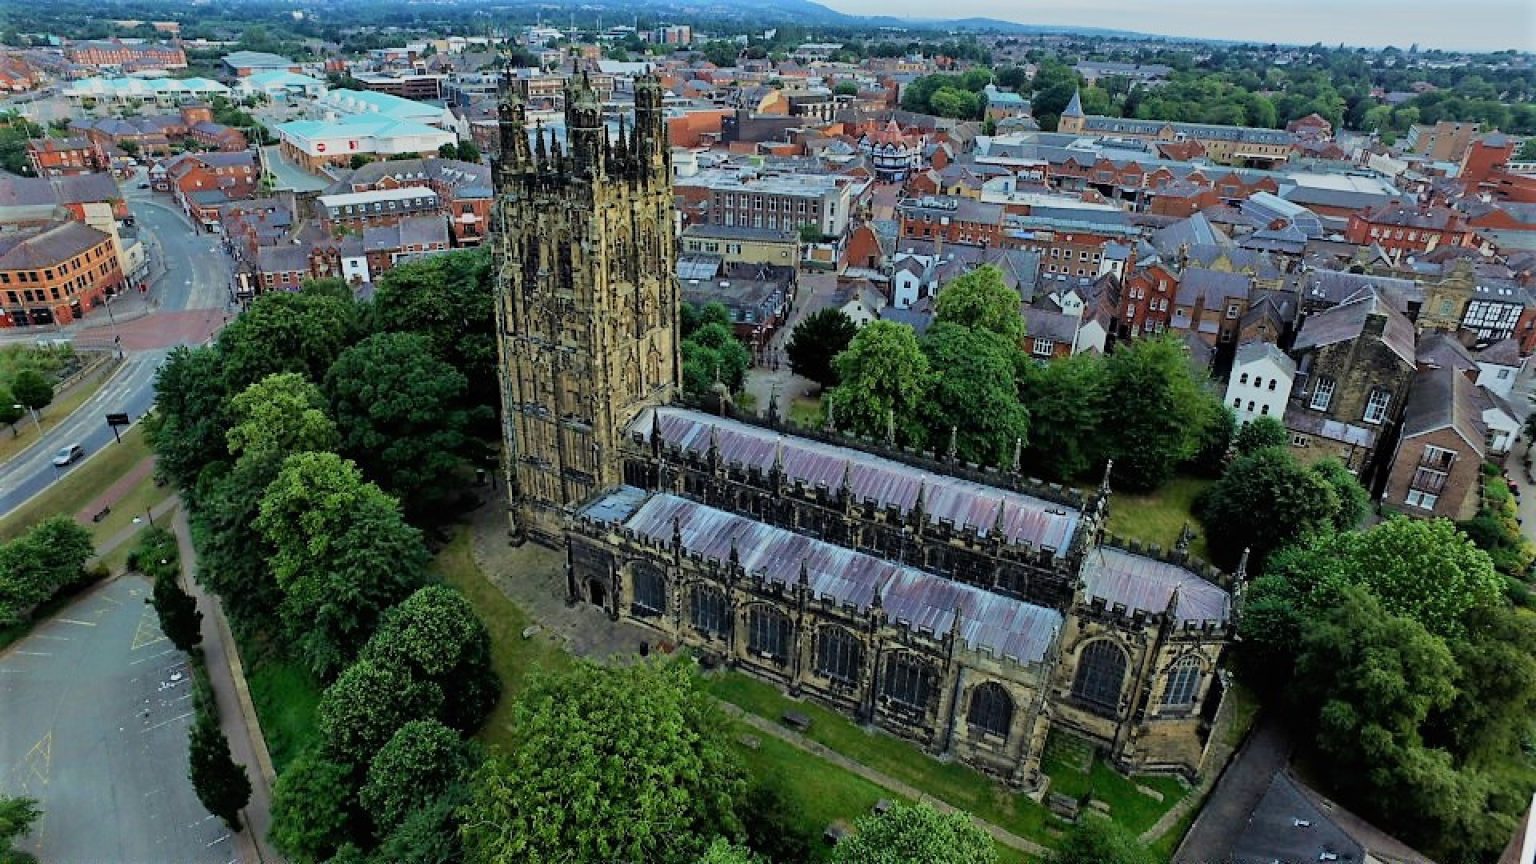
(38,423)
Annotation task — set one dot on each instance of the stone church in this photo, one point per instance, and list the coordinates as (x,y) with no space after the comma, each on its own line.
(969,610)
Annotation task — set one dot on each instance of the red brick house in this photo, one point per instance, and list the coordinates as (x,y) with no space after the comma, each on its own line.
(54,274)
(217,136)
(952,220)
(1146,299)
(57,157)
(1438,462)
(1407,229)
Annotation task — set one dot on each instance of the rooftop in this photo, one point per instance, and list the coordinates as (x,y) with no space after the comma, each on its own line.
(919,601)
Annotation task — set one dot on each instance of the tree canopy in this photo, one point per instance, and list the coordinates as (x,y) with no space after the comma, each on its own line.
(906,834)
(621,764)
(816,342)
(420,762)
(973,393)
(1161,411)
(981,300)
(1265,500)
(883,376)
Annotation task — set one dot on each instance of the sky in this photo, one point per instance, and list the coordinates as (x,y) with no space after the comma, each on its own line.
(1468,25)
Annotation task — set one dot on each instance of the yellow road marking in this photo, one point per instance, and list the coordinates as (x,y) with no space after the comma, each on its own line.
(148,632)
(40,758)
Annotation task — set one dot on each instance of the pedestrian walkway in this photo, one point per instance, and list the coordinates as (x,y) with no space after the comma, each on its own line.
(237,712)
(117,491)
(157,514)
(795,739)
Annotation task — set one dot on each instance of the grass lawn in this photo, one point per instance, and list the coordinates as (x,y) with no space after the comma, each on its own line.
(1164,847)
(286,696)
(135,504)
(512,656)
(50,415)
(1129,807)
(1158,517)
(805,411)
(80,485)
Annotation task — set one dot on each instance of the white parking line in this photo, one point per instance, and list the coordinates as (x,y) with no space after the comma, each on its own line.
(34,653)
(161,654)
(164,722)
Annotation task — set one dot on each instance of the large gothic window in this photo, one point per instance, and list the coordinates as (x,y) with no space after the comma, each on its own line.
(768,634)
(650,591)
(709,611)
(838,654)
(991,709)
(908,681)
(1100,672)
(1183,683)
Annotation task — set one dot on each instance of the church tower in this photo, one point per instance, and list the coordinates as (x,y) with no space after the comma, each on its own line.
(587,299)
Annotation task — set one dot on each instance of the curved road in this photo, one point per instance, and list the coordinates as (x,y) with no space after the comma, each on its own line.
(196,278)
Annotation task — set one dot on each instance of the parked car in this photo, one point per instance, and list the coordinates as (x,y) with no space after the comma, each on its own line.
(68,455)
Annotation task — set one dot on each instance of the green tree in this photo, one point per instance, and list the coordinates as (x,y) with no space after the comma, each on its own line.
(179,619)
(9,413)
(981,300)
(846,88)
(220,782)
(648,752)
(906,834)
(187,430)
(692,317)
(430,834)
(397,408)
(1425,570)
(712,354)
(1066,400)
(314,808)
(973,394)
(419,763)
(1100,841)
(232,553)
(817,341)
(1210,457)
(41,562)
(17,816)
(364,708)
(449,299)
(342,554)
(1161,413)
(435,633)
(468,152)
(1527,151)
(31,388)
(884,378)
(278,416)
(1265,500)
(286,332)
(723,852)
(1354,500)
(448,151)
(1259,433)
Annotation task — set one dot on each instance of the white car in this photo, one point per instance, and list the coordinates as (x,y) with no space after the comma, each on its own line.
(68,456)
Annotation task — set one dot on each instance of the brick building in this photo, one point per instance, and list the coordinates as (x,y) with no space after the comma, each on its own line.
(1439,458)
(127,56)
(358,210)
(463,190)
(378,249)
(950,219)
(55,157)
(1408,229)
(56,274)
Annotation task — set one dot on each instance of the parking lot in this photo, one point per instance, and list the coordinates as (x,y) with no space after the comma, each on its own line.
(94,710)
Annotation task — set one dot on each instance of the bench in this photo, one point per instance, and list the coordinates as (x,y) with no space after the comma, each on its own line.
(796,721)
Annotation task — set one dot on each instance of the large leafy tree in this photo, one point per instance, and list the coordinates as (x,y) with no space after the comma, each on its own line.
(232,553)
(817,341)
(189,425)
(363,709)
(627,764)
(981,300)
(884,379)
(399,411)
(342,554)
(974,394)
(36,565)
(278,416)
(1425,570)
(419,763)
(1067,406)
(712,354)
(314,808)
(1354,500)
(286,332)
(451,301)
(723,852)
(31,388)
(1259,433)
(430,834)
(435,633)
(1100,841)
(1161,411)
(1265,500)
(179,619)
(906,834)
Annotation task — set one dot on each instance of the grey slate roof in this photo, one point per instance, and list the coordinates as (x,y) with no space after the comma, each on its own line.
(1147,584)
(1214,287)
(1250,352)
(1023,519)
(1442,398)
(33,249)
(1347,321)
(921,602)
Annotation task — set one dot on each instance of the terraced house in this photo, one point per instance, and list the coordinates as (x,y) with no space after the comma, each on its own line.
(966,609)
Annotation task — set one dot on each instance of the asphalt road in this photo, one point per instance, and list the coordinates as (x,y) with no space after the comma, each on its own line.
(97,705)
(196,277)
